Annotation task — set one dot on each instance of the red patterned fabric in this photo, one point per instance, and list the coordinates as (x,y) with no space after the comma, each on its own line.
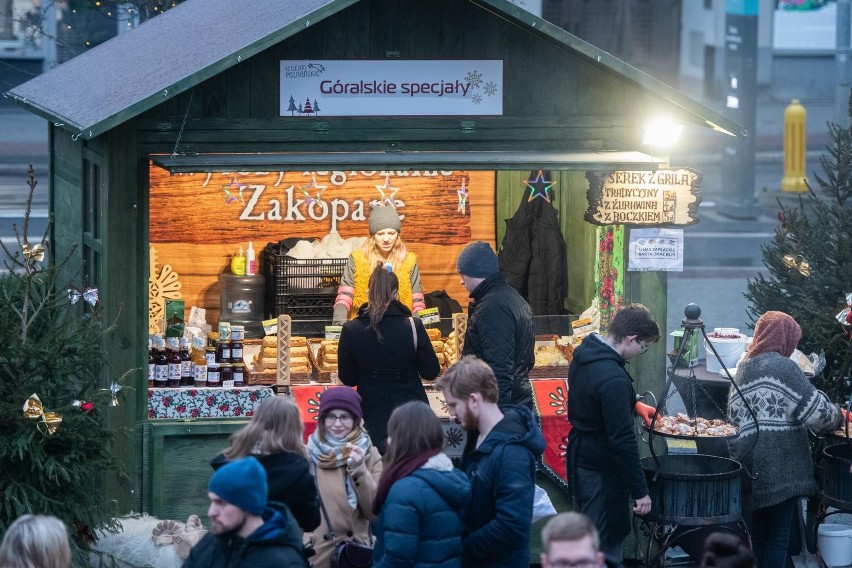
(307,399)
(551,405)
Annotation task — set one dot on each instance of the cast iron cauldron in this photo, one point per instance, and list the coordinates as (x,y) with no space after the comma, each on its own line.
(693,489)
(837,481)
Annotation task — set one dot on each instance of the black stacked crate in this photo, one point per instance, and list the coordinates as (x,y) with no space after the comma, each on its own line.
(304,289)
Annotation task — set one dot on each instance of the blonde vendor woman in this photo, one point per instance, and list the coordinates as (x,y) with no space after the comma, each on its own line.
(384,246)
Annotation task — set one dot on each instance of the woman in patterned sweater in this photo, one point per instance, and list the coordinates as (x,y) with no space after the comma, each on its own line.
(786,405)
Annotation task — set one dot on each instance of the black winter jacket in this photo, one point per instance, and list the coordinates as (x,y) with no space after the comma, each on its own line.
(290,482)
(602,438)
(502,474)
(276,544)
(532,257)
(500,332)
(387,372)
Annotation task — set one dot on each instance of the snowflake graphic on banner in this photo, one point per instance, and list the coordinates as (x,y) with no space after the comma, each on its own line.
(478,87)
(474,78)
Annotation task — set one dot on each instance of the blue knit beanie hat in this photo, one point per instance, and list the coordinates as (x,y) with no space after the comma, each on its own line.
(242,483)
(477,260)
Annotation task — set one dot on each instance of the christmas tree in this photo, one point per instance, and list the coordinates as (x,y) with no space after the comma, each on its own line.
(55,450)
(810,264)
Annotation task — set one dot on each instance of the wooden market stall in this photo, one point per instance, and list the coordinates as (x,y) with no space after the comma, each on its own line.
(179,141)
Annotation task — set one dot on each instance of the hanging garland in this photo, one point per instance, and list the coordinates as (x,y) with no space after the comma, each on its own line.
(609,267)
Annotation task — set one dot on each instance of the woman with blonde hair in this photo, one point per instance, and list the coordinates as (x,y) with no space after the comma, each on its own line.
(347,468)
(274,437)
(35,541)
(384,247)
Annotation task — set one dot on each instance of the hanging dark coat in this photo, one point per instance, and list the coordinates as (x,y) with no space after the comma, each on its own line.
(532,256)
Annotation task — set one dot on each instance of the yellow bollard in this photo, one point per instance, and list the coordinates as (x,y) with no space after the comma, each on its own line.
(795,147)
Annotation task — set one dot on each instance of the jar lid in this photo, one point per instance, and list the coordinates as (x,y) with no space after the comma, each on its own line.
(238,328)
(212,366)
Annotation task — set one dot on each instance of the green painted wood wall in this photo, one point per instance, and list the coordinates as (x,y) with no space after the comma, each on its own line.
(569,200)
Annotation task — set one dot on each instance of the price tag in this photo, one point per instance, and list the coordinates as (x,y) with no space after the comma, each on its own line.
(332,332)
(429,316)
(270,326)
(227,384)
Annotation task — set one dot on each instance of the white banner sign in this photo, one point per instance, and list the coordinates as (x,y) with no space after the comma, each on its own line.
(391,88)
(656,249)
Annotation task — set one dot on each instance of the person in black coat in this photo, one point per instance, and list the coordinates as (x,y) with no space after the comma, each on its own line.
(385,352)
(499,324)
(603,455)
(274,437)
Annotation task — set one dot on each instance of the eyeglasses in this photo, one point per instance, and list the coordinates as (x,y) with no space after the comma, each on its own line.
(330,419)
(643,344)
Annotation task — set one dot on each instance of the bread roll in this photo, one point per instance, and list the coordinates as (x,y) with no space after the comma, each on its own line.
(268,363)
(438,346)
(330,358)
(300,369)
(298,352)
(298,361)
(269,352)
(298,341)
(269,341)
(434,333)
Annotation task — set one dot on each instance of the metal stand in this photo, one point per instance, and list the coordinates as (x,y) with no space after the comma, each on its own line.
(663,535)
(668,530)
(823,513)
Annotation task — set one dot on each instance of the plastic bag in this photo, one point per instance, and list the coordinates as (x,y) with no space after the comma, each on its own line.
(542,506)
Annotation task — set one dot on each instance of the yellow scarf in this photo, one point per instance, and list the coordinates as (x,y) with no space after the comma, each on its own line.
(363,270)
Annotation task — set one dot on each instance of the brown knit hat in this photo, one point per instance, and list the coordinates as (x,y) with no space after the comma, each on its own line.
(775,331)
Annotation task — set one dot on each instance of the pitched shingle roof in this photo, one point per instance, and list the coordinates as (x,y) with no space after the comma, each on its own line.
(171,53)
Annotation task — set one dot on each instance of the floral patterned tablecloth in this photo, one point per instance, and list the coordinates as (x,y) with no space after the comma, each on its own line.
(205,402)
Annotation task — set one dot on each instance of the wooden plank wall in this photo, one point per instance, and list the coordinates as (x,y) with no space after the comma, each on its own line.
(196,226)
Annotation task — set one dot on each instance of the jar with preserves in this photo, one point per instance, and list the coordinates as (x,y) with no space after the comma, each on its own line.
(223,351)
(213,377)
(226,374)
(239,375)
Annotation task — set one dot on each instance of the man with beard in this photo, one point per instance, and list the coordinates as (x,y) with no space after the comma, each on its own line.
(245,530)
(500,464)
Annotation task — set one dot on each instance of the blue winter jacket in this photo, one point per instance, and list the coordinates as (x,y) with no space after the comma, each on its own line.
(420,524)
(276,544)
(502,474)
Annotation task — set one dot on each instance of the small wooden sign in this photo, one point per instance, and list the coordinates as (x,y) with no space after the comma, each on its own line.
(666,197)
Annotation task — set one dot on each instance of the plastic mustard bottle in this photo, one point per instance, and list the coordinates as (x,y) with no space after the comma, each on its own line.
(238,263)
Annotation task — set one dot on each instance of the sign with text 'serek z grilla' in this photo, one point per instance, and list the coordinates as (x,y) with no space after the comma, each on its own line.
(391,88)
(664,197)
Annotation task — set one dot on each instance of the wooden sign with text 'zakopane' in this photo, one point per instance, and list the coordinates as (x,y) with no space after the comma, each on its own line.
(667,197)
(198,221)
